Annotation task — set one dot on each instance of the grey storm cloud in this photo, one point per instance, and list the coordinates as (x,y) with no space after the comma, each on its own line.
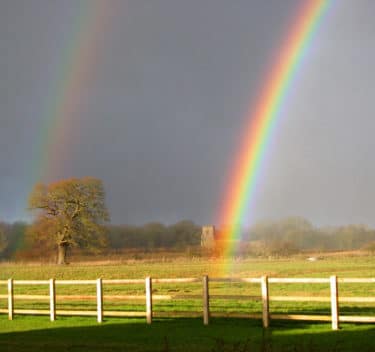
(168,100)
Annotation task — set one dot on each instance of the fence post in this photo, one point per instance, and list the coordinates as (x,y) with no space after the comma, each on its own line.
(206,301)
(52,299)
(265,302)
(334,302)
(10,299)
(148,283)
(99,299)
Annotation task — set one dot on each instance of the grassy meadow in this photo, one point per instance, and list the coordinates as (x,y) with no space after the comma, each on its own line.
(29,333)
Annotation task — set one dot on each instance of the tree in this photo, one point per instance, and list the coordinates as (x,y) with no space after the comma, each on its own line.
(3,238)
(185,233)
(154,232)
(69,213)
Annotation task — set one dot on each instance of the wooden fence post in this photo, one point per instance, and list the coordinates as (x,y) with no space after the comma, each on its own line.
(148,284)
(265,302)
(52,299)
(10,299)
(334,302)
(206,301)
(99,299)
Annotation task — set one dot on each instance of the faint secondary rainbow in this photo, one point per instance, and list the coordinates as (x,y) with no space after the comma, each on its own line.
(245,172)
(68,87)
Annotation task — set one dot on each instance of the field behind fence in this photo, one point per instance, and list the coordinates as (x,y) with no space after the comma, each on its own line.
(330,299)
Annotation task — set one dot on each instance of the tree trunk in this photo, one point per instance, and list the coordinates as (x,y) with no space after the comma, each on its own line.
(61,252)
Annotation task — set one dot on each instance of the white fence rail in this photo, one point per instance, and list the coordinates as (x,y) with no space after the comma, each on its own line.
(335,318)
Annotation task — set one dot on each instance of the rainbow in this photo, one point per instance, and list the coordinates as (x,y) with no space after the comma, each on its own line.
(68,87)
(244,174)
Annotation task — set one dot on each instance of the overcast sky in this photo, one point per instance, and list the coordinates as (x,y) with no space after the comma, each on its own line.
(167,98)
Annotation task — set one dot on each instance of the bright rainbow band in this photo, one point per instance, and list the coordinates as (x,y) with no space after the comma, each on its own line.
(245,175)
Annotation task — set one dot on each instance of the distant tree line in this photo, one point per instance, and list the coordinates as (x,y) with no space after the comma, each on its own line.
(71,214)
(281,238)
(294,234)
(154,235)
(18,240)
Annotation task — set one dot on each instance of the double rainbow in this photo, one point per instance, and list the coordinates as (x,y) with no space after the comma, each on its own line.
(244,177)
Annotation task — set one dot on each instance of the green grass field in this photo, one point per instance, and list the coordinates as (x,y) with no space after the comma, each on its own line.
(37,333)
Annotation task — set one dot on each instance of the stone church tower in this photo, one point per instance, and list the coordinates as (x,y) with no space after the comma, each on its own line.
(208,236)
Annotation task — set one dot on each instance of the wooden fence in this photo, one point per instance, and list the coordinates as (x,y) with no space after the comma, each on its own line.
(335,318)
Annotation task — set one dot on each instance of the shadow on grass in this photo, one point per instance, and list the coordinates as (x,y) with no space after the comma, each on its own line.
(344,310)
(222,335)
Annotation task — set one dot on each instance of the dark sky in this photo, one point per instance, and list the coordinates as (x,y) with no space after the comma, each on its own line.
(160,119)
